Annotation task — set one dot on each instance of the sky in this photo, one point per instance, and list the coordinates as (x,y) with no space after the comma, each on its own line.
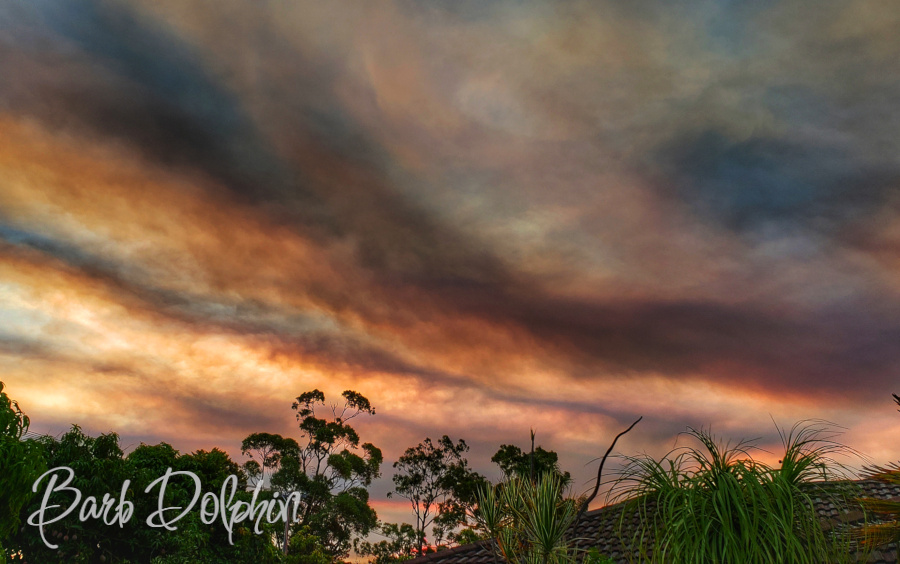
(485,217)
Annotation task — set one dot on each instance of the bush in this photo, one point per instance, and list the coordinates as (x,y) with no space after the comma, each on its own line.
(715,504)
(888,511)
(529,521)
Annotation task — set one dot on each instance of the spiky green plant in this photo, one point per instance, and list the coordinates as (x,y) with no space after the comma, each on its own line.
(529,520)
(715,504)
(887,511)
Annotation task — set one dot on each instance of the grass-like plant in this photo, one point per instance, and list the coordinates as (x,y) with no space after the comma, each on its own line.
(530,517)
(529,520)
(715,504)
(887,511)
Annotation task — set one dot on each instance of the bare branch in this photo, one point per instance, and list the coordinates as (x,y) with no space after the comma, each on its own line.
(584,505)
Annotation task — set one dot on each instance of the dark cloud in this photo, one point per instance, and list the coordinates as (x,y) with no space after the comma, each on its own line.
(14,345)
(452,203)
(63,251)
(750,183)
(154,92)
(138,84)
(226,413)
(744,344)
(286,333)
(148,88)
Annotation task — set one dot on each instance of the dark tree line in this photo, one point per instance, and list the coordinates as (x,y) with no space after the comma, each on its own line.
(100,466)
(329,465)
(327,462)
(443,492)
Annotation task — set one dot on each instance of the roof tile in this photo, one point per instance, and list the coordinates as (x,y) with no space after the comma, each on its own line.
(598,528)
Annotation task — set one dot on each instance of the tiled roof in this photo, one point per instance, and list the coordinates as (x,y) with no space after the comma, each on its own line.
(597,528)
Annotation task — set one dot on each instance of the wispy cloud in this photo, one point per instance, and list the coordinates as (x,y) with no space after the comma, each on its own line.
(485,217)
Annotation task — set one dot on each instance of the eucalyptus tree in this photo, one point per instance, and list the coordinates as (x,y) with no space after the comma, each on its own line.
(400,543)
(266,450)
(436,479)
(514,462)
(329,465)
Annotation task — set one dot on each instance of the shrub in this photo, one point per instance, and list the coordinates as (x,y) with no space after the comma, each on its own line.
(888,530)
(715,504)
(529,521)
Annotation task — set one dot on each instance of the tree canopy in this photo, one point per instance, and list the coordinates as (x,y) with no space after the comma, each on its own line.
(100,466)
(329,465)
(514,462)
(21,462)
(436,479)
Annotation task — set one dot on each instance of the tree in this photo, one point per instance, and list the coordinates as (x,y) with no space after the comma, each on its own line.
(452,521)
(21,462)
(401,542)
(440,486)
(196,541)
(513,462)
(100,467)
(266,451)
(329,467)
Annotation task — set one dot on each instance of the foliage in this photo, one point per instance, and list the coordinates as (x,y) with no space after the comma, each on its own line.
(440,486)
(888,511)
(452,521)
(100,467)
(401,543)
(266,451)
(529,520)
(513,461)
(716,504)
(593,556)
(304,548)
(528,515)
(331,469)
(21,462)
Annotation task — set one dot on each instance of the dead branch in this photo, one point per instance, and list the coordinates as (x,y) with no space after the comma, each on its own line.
(584,505)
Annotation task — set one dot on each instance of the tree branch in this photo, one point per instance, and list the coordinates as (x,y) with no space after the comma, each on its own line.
(584,505)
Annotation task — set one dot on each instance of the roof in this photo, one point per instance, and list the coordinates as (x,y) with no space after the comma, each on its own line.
(597,528)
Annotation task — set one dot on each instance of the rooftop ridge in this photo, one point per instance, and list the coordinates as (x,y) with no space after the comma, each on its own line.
(597,528)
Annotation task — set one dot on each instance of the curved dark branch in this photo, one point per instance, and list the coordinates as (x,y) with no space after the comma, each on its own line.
(584,505)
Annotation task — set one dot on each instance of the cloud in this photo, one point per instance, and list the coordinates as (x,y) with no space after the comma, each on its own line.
(483,216)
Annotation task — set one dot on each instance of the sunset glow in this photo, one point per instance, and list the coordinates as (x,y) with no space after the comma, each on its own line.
(485,217)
